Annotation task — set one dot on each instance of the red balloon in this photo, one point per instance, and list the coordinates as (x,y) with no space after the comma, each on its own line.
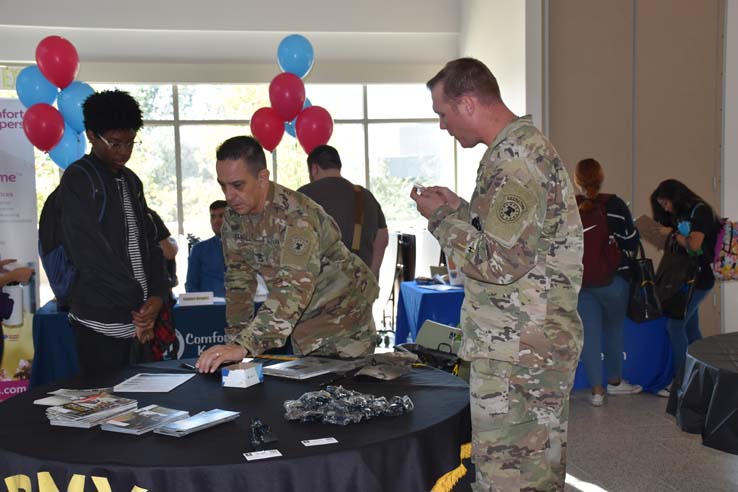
(314,127)
(44,126)
(287,95)
(58,60)
(267,127)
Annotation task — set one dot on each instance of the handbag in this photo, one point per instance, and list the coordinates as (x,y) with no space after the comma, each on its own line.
(675,279)
(643,303)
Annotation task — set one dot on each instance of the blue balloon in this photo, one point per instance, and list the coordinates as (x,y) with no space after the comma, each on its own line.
(68,149)
(82,144)
(70,104)
(295,55)
(33,88)
(289,126)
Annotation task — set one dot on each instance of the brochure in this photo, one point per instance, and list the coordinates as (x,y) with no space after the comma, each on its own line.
(308,367)
(143,420)
(202,420)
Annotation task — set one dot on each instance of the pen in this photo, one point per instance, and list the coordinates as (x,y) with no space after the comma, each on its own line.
(188,366)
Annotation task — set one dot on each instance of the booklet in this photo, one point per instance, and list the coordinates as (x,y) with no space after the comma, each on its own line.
(143,420)
(202,420)
(63,395)
(152,383)
(90,410)
(311,366)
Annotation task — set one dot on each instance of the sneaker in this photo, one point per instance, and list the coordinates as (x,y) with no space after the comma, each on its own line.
(624,388)
(597,399)
(664,393)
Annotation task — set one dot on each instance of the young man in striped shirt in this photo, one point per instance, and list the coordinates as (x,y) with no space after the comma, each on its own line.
(121,281)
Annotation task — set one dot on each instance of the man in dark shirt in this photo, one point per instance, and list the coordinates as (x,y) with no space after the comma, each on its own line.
(354,208)
(206,267)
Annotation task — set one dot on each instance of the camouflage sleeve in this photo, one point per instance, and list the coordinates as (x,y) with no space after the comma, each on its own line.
(498,245)
(463,210)
(290,291)
(240,288)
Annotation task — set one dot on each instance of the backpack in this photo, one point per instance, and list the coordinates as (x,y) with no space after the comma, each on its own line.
(57,265)
(601,253)
(725,262)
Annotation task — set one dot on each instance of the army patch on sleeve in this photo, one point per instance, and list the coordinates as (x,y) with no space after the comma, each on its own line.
(511,212)
(298,243)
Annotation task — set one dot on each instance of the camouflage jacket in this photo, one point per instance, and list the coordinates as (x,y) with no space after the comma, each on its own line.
(519,243)
(318,289)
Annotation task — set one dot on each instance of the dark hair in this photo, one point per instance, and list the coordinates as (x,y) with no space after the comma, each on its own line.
(682,201)
(246,148)
(111,110)
(325,156)
(467,76)
(218,204)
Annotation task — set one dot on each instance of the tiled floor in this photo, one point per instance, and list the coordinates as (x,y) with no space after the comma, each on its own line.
(631,445)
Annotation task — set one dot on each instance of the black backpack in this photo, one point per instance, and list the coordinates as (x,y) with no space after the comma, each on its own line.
(59,268)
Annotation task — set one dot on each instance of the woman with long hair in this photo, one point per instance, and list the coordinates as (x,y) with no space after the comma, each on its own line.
(695,226)
(603,307)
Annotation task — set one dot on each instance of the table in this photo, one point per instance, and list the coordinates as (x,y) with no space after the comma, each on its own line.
(646,347)
(416,304)
(405,453)
(198,327)
(705,399)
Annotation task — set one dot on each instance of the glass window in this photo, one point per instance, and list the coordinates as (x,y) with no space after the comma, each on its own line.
(399,101)
(348,139)
(199,180)
(155,100)
(404,153)
(343,101)
(467,164)
(154,163)
(221,102)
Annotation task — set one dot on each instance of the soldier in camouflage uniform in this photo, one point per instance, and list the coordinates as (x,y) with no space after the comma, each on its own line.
(319,292)
(519,242)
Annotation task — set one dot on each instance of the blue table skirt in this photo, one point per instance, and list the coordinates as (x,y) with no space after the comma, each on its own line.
(646,348)
(198,327)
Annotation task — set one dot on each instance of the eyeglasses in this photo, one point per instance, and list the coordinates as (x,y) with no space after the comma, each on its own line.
(118,145)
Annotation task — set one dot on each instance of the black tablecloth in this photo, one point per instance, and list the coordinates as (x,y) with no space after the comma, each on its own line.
(405,453)
(706,400)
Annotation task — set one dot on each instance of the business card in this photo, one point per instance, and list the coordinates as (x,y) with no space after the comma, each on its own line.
(320,442)
(260,455)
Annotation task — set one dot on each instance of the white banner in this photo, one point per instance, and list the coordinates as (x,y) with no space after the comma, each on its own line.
(18,239)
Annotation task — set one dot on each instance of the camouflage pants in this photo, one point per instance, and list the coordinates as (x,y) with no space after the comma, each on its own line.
(519,421)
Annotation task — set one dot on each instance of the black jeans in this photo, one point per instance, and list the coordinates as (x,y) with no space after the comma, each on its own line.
(98,353)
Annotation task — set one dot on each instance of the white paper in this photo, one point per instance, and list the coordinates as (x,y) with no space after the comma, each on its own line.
(152,383)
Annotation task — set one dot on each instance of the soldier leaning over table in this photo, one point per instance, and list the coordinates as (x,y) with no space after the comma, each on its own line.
(320,294)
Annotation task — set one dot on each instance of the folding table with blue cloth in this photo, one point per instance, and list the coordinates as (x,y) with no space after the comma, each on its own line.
(646,348)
